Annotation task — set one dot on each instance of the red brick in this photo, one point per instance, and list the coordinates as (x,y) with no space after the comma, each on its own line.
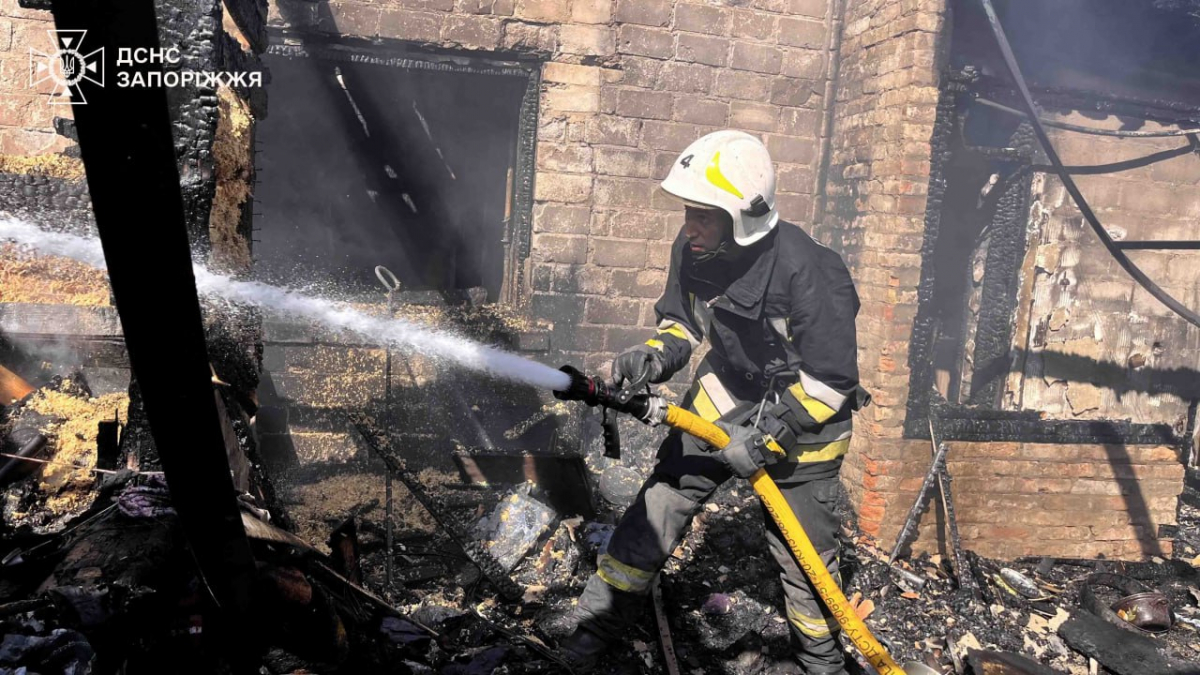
(637,224)
(624,192)
(561,219)
(688,78)
(620,339)
(798,32)
(743,85)
(544,11)
(355,19)
(811,8)
(669,135)
(553,248)
(526,37)
(591,11)
(27,142)
(581,280)
(757,116)
(792,92)
(472,32)
(634,71)
(639,283)
(562,187)
(618,253)
(608,130)
(605,311)
(586,40)
(663,161)
(658,255)
(792,149)
(568,73)
(796,179)
(654,42)
(496,7)
(645,12)
(568,158)
(644,104)
(755,57)
(702,19)
(623,162)
(701,111)
(808,64)
(571,98)
(748,23)
(713,51)
(800,122)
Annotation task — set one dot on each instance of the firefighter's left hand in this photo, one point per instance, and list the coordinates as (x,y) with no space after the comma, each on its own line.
(746,452)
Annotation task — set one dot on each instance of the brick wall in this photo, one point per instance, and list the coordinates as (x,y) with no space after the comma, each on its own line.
(26,121)
(1012,498)
(1084,309)
(879,171)
(627,84)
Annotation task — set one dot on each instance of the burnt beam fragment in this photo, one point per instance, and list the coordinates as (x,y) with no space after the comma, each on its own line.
(1119,651)
(128,154)
(381,445)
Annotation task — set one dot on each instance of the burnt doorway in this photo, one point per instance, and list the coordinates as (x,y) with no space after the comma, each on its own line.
(376,157)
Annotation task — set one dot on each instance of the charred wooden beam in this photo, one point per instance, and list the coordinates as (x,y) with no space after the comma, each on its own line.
(128,153)
(381,446)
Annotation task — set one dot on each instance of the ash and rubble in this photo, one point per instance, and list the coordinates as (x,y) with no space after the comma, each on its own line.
(111,586)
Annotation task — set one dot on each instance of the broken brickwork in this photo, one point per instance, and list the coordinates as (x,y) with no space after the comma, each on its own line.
(1036,338)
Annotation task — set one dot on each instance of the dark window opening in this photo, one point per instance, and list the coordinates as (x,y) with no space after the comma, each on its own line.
(368,159)
(973,347)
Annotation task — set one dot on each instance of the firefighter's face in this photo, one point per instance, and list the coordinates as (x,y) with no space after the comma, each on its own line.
(705,229)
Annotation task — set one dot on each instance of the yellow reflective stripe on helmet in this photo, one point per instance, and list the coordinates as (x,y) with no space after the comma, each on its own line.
(819,452)
(814,627)
(718,179)
(621,576)
(657,344)
(818,410)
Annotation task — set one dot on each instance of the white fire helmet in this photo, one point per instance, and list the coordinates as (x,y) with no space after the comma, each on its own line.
(730,170)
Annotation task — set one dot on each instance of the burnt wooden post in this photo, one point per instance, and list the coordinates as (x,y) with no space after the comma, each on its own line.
(127,149)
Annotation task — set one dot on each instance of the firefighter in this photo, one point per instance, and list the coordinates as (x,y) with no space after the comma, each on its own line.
(778,311)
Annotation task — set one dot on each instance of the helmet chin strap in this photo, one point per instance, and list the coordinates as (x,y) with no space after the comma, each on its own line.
(721,250)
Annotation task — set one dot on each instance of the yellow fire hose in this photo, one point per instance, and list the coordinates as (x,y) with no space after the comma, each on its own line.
(810,561)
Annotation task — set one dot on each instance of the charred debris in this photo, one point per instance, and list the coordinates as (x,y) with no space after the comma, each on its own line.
(128,546)
(99,577)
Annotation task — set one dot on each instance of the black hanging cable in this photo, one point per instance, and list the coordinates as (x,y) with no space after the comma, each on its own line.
(1133,270)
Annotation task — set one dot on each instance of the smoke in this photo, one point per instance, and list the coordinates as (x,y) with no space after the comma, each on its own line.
(437,344)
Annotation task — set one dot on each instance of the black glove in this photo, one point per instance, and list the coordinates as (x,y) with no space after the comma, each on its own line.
(746,452)
(634,363)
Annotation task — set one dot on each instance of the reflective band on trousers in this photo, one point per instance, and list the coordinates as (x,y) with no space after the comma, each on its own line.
(813,627)
(621,576)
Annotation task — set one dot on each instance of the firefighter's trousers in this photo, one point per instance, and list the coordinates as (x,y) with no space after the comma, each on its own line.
(685,476)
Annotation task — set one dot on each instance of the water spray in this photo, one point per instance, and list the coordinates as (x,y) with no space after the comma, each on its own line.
(395,332)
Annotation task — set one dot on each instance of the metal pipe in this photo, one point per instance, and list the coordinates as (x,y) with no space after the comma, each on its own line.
(836,28)
(392,284)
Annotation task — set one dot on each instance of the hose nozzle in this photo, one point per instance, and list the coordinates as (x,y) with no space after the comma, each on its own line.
(582,387)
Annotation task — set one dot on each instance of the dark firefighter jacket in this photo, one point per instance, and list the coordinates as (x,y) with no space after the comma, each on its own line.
(784,306)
